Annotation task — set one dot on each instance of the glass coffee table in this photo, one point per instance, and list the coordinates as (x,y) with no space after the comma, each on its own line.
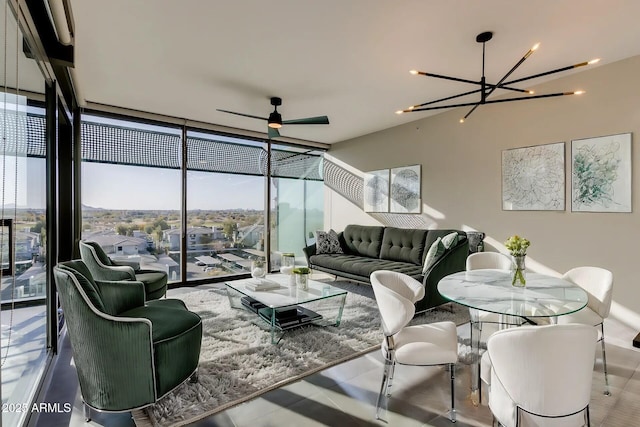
(286,307)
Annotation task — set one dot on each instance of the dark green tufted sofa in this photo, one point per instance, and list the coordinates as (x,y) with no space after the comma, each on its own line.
(371,248)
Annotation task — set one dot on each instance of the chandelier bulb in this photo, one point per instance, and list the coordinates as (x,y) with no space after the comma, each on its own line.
(461,120)
(535,46)
(399,111)
(531,92)
(593,61)
(414,72)
(578,92)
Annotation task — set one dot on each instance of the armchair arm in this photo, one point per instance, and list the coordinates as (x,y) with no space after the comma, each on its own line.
(452,262)
(116,273)
(103,345)
(133,264)
(120,296)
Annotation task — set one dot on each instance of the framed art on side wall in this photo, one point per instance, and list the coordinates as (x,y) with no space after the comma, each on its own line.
(601,174)
(376,191)
(405,189)
(533,178)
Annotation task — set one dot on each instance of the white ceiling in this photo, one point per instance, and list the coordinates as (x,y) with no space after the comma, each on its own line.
(347,59)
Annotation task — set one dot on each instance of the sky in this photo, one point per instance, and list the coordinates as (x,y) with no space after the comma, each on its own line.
(132,187)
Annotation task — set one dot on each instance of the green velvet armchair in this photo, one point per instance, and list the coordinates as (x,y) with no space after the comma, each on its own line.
(104,268)
(128,353)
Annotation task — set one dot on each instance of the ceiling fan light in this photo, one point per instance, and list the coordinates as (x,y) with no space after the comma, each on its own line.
(275,120)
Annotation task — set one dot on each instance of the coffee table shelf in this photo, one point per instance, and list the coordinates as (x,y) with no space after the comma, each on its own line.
(321,304)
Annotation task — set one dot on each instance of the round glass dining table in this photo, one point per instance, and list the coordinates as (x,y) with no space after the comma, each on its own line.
(490,290)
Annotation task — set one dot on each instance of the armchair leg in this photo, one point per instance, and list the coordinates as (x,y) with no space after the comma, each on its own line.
(87,412)
(193,379)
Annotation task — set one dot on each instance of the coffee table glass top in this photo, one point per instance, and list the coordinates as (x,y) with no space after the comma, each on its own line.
(491,290)
(286,295)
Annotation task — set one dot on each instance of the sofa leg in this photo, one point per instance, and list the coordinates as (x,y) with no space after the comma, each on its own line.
(193,379)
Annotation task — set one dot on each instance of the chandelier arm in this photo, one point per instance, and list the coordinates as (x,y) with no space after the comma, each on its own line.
(493,101)
(440,107)
(546,73)
(471,111)
(523,98)
(448,98)
(455,79)
(471,92)
(519,63)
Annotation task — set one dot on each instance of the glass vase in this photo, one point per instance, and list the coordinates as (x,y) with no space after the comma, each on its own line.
(258,269)
(302,280)
(518,271)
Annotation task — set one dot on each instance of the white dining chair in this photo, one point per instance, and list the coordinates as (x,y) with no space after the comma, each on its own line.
(598,283)
(418,345)
(541,375)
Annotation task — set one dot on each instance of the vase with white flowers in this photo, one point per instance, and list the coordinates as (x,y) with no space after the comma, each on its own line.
(517,247)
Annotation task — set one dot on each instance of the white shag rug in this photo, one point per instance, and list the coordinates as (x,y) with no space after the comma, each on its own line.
(238,361)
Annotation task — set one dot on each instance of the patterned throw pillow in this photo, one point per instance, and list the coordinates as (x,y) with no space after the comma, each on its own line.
(436,250)
(450,240)
(327,243)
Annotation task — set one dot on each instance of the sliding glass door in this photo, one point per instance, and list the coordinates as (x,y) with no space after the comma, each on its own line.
(23,218)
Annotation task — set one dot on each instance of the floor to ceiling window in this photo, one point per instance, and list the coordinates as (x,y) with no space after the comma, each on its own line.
(297,199)
(225,204)
(23,218)
(131,191)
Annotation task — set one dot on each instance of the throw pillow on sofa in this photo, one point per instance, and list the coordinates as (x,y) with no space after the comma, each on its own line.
(438,249)
(327,243)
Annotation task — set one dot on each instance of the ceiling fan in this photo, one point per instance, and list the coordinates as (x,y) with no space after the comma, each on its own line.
(275,122)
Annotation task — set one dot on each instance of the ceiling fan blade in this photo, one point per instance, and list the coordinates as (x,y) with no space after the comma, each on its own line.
(242,114)
(319,120)
(273,133)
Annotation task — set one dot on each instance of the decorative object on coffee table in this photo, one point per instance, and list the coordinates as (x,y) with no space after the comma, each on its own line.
(258,268)
(302,277)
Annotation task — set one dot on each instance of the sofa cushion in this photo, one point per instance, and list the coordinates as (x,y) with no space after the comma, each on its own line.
(363,240)
(362,267)
(327,242)
(403,244)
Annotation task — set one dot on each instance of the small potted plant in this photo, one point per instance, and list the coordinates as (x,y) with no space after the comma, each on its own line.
(302,277)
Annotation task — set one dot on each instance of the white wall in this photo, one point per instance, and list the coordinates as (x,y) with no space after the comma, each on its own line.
(461,175)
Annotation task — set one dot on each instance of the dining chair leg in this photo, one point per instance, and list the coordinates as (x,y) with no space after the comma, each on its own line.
(392,371)
(383,386)
(588,417)
(604,361)
(452,415)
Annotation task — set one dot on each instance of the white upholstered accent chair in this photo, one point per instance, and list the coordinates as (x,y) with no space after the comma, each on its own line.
(421,345)
(598,283)
(541,375)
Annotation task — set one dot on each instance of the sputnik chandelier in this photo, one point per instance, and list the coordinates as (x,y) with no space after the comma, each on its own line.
(486,89)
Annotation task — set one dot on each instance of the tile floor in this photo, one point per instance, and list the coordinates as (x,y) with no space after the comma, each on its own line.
(345,395)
